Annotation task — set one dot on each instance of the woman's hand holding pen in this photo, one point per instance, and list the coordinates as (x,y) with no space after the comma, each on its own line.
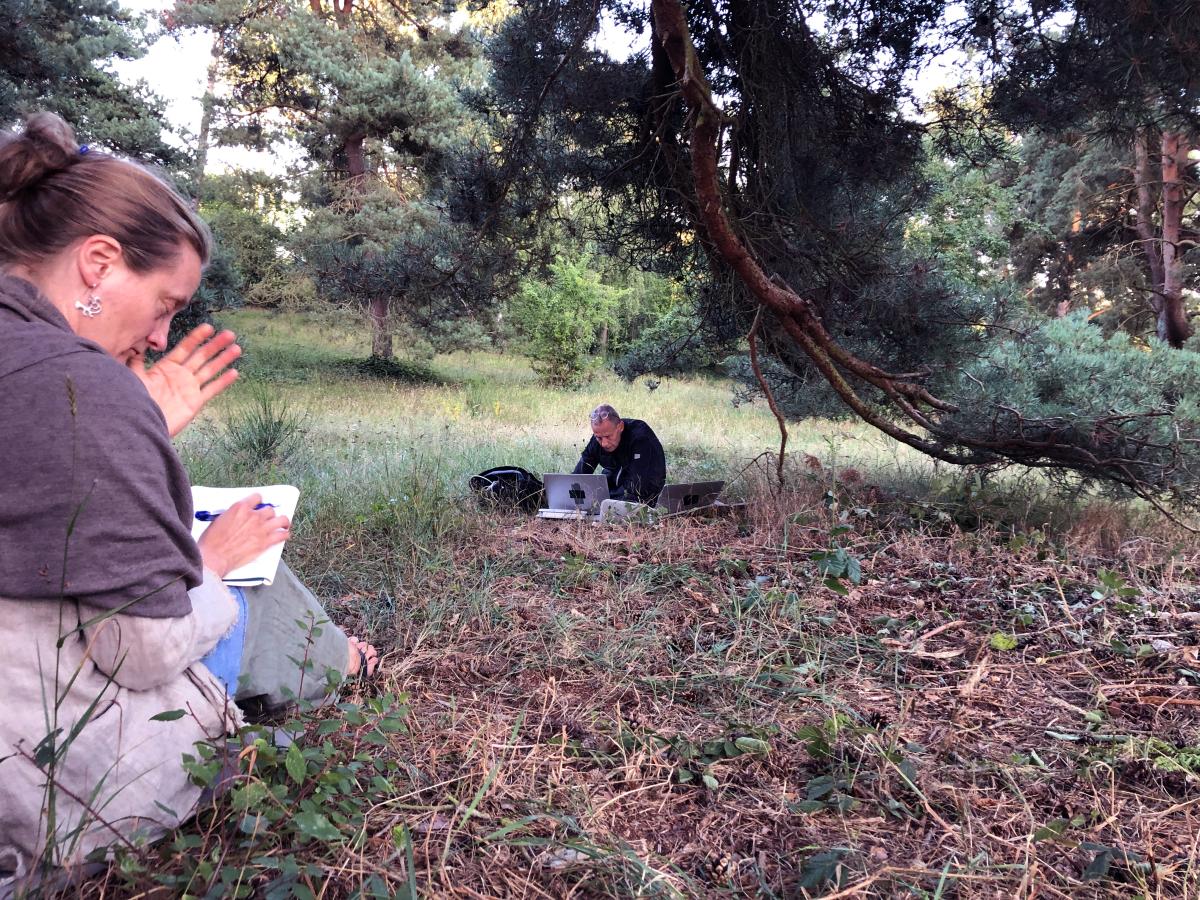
(241,533)
(192,373)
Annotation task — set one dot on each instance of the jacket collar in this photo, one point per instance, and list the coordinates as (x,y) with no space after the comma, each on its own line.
(32,329)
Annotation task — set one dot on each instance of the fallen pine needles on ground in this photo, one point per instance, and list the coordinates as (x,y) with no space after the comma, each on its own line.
(832,697)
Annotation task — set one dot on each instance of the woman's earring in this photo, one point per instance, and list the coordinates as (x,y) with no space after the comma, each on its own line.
(90,305)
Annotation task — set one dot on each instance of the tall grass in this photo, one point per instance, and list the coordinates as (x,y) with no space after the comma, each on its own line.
(340,432)
(488,409)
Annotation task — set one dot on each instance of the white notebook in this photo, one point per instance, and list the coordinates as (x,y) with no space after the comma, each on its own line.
(261,569)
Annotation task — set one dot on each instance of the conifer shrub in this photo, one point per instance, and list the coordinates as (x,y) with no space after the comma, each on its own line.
(1125,413)
(560,319)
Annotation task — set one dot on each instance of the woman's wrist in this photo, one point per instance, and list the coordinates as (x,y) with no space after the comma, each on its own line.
(214,562)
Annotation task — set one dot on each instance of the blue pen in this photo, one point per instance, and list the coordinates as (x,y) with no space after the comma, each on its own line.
(205,516)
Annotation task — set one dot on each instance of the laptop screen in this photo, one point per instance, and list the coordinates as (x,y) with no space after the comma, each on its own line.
(577,492)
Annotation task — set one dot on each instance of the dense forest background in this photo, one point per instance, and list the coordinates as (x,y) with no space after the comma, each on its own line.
(998,271)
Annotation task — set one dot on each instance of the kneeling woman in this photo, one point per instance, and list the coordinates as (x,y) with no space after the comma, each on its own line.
(110,613)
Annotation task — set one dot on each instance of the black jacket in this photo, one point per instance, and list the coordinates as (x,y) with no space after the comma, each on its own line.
(636,470)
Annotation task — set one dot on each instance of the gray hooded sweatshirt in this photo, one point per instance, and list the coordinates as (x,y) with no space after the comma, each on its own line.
(95,504)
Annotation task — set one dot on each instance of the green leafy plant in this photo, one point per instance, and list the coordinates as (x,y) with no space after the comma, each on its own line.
(1002,641)
(695,759)
(824,869)
(837,565)
(560,320)
(1112,585)
(287,803)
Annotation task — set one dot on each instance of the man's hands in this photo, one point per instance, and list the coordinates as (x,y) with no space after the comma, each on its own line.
(192,373)
(240,534)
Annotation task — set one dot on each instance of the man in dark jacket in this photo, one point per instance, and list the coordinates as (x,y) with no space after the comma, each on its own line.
(630,453)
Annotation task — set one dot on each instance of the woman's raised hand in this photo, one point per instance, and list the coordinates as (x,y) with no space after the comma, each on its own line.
(192,373)
(241,533)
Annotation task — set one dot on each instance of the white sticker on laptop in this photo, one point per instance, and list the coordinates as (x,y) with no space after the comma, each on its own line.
(637,456)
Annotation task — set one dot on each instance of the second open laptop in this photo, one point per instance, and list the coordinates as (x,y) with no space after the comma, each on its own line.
(573,496)
(681,498)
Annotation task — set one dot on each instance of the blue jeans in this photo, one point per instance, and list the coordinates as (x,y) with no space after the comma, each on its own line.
(225,659)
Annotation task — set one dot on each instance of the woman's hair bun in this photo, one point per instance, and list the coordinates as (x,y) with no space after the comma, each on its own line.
(47,145)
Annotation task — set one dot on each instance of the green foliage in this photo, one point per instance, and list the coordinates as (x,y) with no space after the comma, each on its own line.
(697,760)
(397,185)
(245,260)
(264,434)
(290,805)
(1116,64)
(1113,586)
(561,318)
(1141,431)
(403,371)
(1002,641)
(285,288)
(671,343)
(644,299)
(964,226)
(56,56)
(837,564)
(222,287)
(1075,244)
(240,209)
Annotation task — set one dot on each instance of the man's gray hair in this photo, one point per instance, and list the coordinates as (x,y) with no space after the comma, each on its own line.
(604,413)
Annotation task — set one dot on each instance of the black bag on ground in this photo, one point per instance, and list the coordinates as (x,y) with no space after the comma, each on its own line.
(508,487)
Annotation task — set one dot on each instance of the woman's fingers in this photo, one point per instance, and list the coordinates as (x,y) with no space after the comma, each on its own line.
(218,363)
(214,355)
(189,343)
(200,349)
(219,384)
(262,516)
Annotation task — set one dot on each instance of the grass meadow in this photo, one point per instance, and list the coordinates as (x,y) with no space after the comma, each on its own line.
(885,679)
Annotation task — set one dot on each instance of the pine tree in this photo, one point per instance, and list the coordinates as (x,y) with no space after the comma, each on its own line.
(1114,78)
(373,92)
(777,157)
(56,55)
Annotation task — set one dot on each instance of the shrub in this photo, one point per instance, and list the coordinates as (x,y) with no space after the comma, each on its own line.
(560,319)
(1128,412)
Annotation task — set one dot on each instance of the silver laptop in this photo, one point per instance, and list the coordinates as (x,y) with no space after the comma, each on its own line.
(573,496)
(681,498)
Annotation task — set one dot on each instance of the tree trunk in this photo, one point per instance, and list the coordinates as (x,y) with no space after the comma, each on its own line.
(1162,250)
(1066,271)
(1146,206)
(603,342)
(1173,327)
(210,96)
(381,331)
(356,159)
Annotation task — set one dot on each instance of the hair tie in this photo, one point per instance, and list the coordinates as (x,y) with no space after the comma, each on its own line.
(83,149)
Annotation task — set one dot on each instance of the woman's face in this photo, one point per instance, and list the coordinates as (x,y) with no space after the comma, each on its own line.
(138,308)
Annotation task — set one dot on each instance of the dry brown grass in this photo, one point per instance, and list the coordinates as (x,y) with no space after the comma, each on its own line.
(552,713)
(560,678)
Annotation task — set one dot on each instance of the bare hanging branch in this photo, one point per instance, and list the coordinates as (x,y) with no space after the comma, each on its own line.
(752,338)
